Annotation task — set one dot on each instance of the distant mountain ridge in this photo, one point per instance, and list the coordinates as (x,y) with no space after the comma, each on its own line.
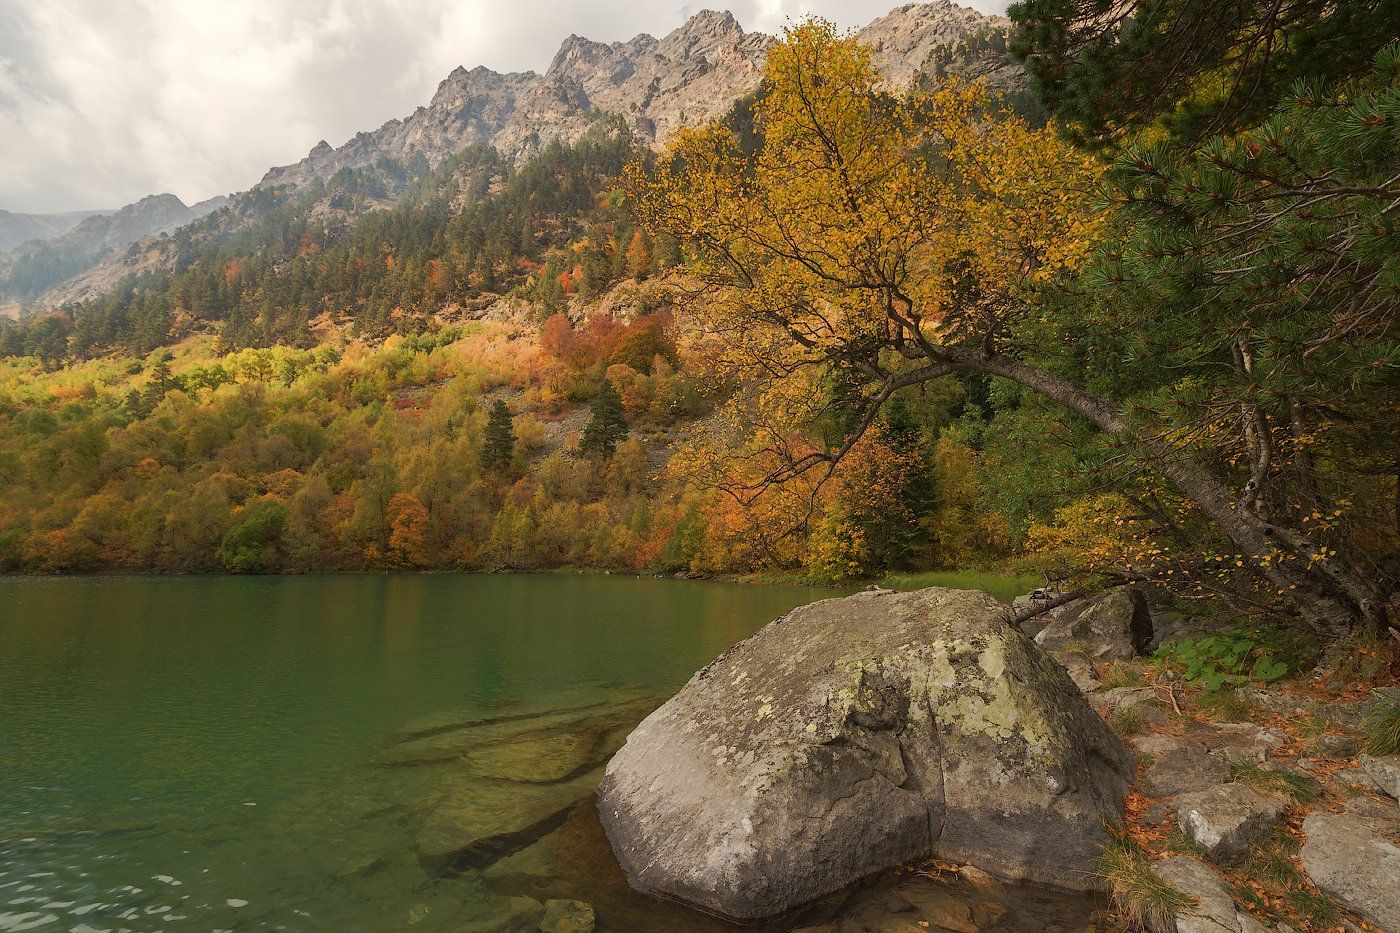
(17,229)
(693,74)
(38,265)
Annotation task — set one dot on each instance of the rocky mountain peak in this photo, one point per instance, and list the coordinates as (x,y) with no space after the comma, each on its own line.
(692,74)
(704,32)
(654,86)
(904,38)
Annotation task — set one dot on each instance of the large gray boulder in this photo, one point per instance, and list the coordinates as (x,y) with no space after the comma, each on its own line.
(852,735)
(1179,766)
(1113,625)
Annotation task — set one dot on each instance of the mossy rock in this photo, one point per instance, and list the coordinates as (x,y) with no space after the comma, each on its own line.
(853,735)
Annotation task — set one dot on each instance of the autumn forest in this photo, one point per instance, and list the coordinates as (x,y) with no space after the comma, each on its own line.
(1137,325)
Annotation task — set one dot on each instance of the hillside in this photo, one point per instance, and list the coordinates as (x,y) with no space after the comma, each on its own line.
(755,304)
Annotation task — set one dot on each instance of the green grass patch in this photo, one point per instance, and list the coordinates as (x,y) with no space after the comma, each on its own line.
(1273,864)
(1225,706)
(1127,721)
(1383,727)
(1138,894)
(1122,674)
(1003,586)
(1181,843)
(1298,788)
(1312,725)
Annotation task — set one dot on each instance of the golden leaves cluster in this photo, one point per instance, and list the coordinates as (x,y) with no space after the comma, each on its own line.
(863,213)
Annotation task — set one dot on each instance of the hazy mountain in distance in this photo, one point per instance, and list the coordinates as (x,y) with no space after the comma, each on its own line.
(16,229)
(39,265)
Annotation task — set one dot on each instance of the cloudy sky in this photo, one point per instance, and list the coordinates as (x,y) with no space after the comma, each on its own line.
(104,101)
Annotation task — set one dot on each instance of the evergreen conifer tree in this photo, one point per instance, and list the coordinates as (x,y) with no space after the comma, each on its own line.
(499,444)
(162,381)
(607,424)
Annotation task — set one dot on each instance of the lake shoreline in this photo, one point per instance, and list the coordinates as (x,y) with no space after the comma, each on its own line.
(1002,583)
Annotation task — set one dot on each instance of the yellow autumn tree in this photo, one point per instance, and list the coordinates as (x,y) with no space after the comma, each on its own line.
(876,240)
(850,240)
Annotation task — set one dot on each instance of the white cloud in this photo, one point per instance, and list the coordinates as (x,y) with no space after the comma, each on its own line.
(104,101)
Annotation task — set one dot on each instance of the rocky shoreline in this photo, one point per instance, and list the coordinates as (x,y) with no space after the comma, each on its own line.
(503,802)
(1251,805)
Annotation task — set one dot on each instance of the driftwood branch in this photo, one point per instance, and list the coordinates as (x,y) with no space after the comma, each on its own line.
(1055,603)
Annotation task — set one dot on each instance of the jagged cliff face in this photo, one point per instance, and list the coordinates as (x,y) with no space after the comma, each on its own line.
(690,76)
(469,107)
(904,38)
(655,85)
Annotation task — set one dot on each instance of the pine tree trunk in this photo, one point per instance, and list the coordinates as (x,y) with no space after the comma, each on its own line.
(1330,594)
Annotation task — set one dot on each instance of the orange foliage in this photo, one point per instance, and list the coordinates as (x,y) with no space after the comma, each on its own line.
(605,339)
(408,521)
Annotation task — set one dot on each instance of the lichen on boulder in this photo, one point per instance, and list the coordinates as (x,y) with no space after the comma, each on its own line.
(852,735)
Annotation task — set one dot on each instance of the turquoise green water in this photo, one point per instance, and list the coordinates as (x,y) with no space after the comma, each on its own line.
(196,753)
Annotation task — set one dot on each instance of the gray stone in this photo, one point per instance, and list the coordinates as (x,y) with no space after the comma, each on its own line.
(939,905)
(1245,742)
(1348,858)
(1264,737)
(1384,771)
(1226,821)
(567,916)
(1337,745)
(1155,744)
(479,913)
(537,746)
(1350,715)
(1170,628)
(1356,778)
(1113,625)
(1373,808)
(1184,768)
(1121,698)
(457,743)
(853,735)
(1213,909)
(537,760)
(1082,672)
(980,880)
